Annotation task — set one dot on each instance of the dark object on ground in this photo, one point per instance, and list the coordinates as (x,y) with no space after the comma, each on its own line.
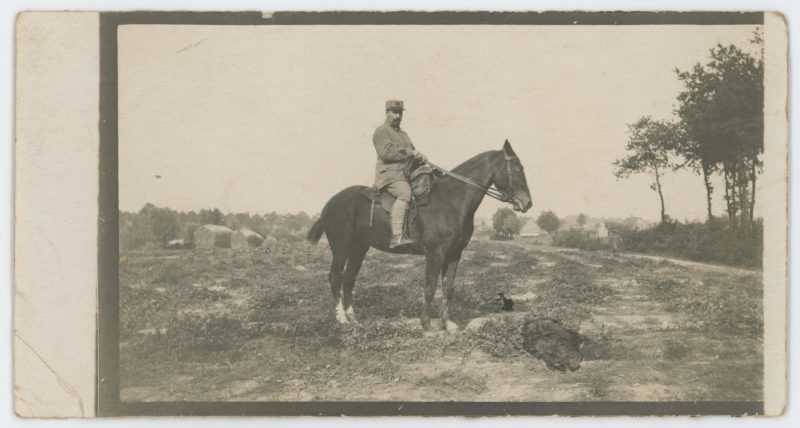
(559,347)
(508,304)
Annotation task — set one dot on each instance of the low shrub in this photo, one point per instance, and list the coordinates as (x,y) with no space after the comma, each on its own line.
(577,239)
(717,241)
(501,337)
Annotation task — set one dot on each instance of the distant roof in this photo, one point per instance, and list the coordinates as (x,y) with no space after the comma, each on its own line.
(216,228)
(529,226)
(636,222)
(247,232)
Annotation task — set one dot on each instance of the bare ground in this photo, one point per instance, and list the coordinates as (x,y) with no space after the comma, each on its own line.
(271,335)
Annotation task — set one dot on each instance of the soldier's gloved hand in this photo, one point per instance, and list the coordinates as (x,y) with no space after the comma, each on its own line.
(420,156)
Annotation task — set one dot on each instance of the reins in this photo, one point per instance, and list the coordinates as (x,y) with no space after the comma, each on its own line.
(495,193)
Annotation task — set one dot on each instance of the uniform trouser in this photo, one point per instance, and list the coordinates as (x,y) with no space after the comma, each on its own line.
(402,191)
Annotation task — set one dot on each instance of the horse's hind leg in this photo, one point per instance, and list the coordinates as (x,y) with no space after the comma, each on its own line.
(335,278)
(433,267)
(354,261)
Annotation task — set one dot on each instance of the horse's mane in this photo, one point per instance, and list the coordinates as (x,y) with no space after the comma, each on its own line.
(470,163)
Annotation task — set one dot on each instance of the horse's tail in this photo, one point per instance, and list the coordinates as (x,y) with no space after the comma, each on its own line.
(315,233)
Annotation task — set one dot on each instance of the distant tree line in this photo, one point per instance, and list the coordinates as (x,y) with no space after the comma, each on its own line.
(154,227)
(718,129)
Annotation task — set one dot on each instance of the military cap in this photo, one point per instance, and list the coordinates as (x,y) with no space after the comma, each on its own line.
(394,105)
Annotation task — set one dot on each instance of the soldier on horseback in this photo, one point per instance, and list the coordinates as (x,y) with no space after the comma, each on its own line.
(393,147)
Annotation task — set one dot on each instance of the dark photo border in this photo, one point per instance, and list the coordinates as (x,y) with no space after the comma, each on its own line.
(108,394)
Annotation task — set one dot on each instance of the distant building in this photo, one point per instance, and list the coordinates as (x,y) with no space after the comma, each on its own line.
(212,236)
(246,238)
(595,230)
(636,223)
(532,232)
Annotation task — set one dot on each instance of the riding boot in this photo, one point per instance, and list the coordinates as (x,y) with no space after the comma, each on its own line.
(397,217)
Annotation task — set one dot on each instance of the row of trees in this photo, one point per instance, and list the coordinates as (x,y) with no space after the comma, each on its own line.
(157,226)
(718,129)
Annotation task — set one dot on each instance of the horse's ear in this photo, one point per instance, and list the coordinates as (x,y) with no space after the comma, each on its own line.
(508,150)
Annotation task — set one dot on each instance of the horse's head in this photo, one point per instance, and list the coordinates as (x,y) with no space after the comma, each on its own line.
(510,179)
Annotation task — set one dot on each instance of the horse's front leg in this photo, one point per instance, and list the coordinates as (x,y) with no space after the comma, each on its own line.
(433,267)
(448,279)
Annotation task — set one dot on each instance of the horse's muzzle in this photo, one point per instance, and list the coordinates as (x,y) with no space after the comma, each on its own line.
(519,206)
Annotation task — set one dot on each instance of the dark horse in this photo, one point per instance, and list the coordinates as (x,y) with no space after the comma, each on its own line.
(441,230)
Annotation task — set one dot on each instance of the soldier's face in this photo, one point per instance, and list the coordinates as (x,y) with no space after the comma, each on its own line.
(395,117)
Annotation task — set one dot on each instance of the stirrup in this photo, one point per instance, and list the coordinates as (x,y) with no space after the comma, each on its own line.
(399,241)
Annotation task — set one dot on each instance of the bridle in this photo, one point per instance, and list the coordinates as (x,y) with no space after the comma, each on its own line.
(500,195)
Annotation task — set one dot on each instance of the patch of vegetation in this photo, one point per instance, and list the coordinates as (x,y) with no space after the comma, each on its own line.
(716,242)
(378,336)
(138,307)
(722,304)
(603,346)
(574,282)
(472,301)
(500,337)
(279,298)
(192,336)
(389,301)
(577,239)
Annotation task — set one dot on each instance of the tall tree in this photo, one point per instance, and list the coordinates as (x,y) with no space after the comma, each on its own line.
(721,109)
(649,143)
(506,223)
(697,159)
(548,221)
(163,223)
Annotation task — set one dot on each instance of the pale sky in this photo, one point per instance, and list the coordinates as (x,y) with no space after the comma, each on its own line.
(280,118)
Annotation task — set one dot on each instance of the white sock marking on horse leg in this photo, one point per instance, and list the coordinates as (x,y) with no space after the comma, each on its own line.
(340,315)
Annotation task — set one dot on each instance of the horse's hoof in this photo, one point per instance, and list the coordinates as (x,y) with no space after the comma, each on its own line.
(341,316)
(351,315)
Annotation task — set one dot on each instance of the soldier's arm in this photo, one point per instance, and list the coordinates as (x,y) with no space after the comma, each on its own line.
(387,150)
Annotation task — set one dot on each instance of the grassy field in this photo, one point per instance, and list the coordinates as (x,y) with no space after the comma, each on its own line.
(220,325)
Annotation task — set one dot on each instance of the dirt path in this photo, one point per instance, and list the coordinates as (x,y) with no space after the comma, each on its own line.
(682,262)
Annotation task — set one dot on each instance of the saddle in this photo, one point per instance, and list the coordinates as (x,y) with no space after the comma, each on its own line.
(420,177)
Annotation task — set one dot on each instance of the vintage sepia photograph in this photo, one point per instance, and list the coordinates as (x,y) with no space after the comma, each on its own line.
(565,213)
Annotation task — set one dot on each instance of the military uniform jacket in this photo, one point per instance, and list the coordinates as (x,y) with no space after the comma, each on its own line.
(393,147)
